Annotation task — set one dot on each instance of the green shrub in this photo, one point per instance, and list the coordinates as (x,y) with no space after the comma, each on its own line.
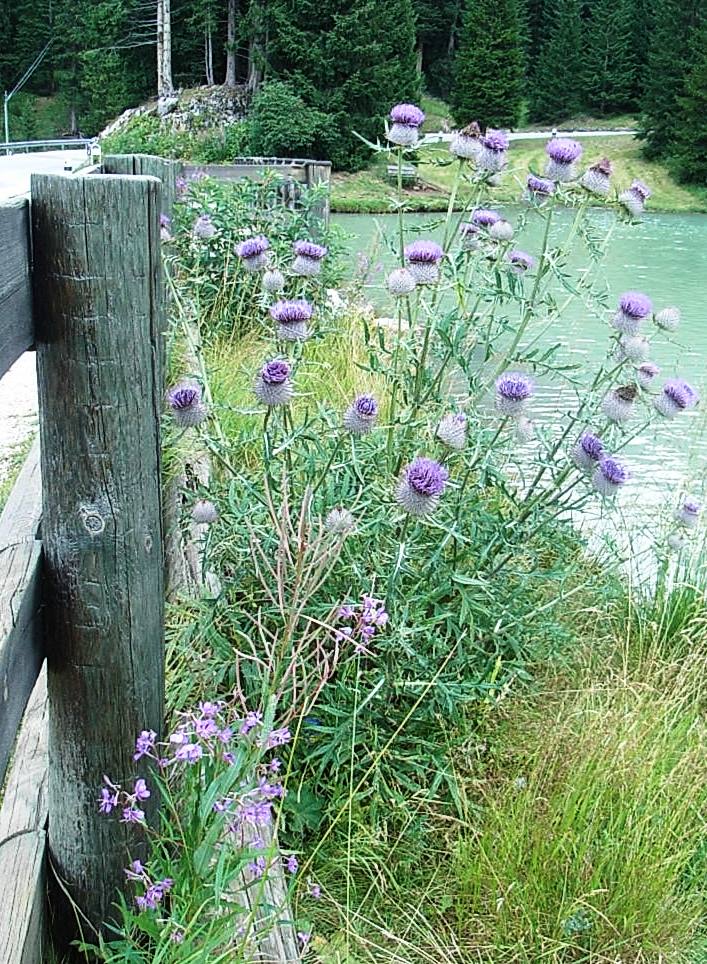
(146,134)
(282,125)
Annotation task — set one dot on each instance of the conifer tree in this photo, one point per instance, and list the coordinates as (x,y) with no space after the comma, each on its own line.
(669,60)
(488,79)
(690,161)
(556,81)
(348,59)
(609,54)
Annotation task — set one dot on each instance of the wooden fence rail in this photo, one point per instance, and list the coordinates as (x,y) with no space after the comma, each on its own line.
(81,537)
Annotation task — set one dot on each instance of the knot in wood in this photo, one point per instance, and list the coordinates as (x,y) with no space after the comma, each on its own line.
(93,521)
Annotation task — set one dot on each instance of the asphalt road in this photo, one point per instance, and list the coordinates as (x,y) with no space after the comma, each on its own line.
(16,169)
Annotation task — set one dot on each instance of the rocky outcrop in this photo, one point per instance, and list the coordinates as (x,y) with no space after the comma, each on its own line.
(195,110)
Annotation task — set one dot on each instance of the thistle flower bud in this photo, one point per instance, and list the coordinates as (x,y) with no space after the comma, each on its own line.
(562,155)
(634,307)
(204,228)
(204,512)
(634,348)
(609,476)
(688,514)
(646,374)
(406,120)
(618,404)
(513,391)
(273,385)
(273,281)
(668,319)
(538,188)
(308,258)
(423,258)
(520,261)
(360,417)
(634,199)
(588,450)
(452,430)
(401,283)
(501,230)
(466,143)
(340,522)
(252,253)
(597,178)
(422,483)
(165,225)
(676,397)
(493,155)
(470,235)
(677,541)
(186,404)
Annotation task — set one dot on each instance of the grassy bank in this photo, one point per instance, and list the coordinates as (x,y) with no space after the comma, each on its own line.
(371,191)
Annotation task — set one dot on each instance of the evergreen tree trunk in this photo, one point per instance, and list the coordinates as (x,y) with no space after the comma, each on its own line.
(160,47)
(168,86)
(209,56)
(230,80)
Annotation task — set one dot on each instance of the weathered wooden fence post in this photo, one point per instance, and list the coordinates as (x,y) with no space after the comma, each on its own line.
(98,310)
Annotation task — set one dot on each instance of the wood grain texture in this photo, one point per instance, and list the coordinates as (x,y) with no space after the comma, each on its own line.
(21,643)
(147,165)
(23,818)
(23,876)
(99,303)
(16,328)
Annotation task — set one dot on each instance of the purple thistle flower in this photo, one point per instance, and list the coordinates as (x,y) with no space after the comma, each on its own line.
(609,476)
(587,451)
(597,178)
(466,143)
(646,374)
(688,513)
(185,402)
(204,512)
(308,258)
(360,417)
(539,186)
(423,258)
(668,319)
(677,396)
(252,253)
(562,153)
(292,318)
(484,218)
(406,119)
(493,154)
(618,404)
(204,228)
(513,390)
(633,308)
(273,385)
(520,261)
(421,486)
(634,199)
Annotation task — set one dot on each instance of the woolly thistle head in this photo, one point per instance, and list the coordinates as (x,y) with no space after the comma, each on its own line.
(668,319)
(204,227)
(400,282)
(501,231)
(602,166)
(563,150)
(408,115)
(452,430)
(541,186)
(520,261)
(681,393)
(514,386)
(612,471)
(273,281)
(592,445)
(494,140)
(422,483)
(253,247)
(640,189)
(204,512)
(340,522)
(273,385)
